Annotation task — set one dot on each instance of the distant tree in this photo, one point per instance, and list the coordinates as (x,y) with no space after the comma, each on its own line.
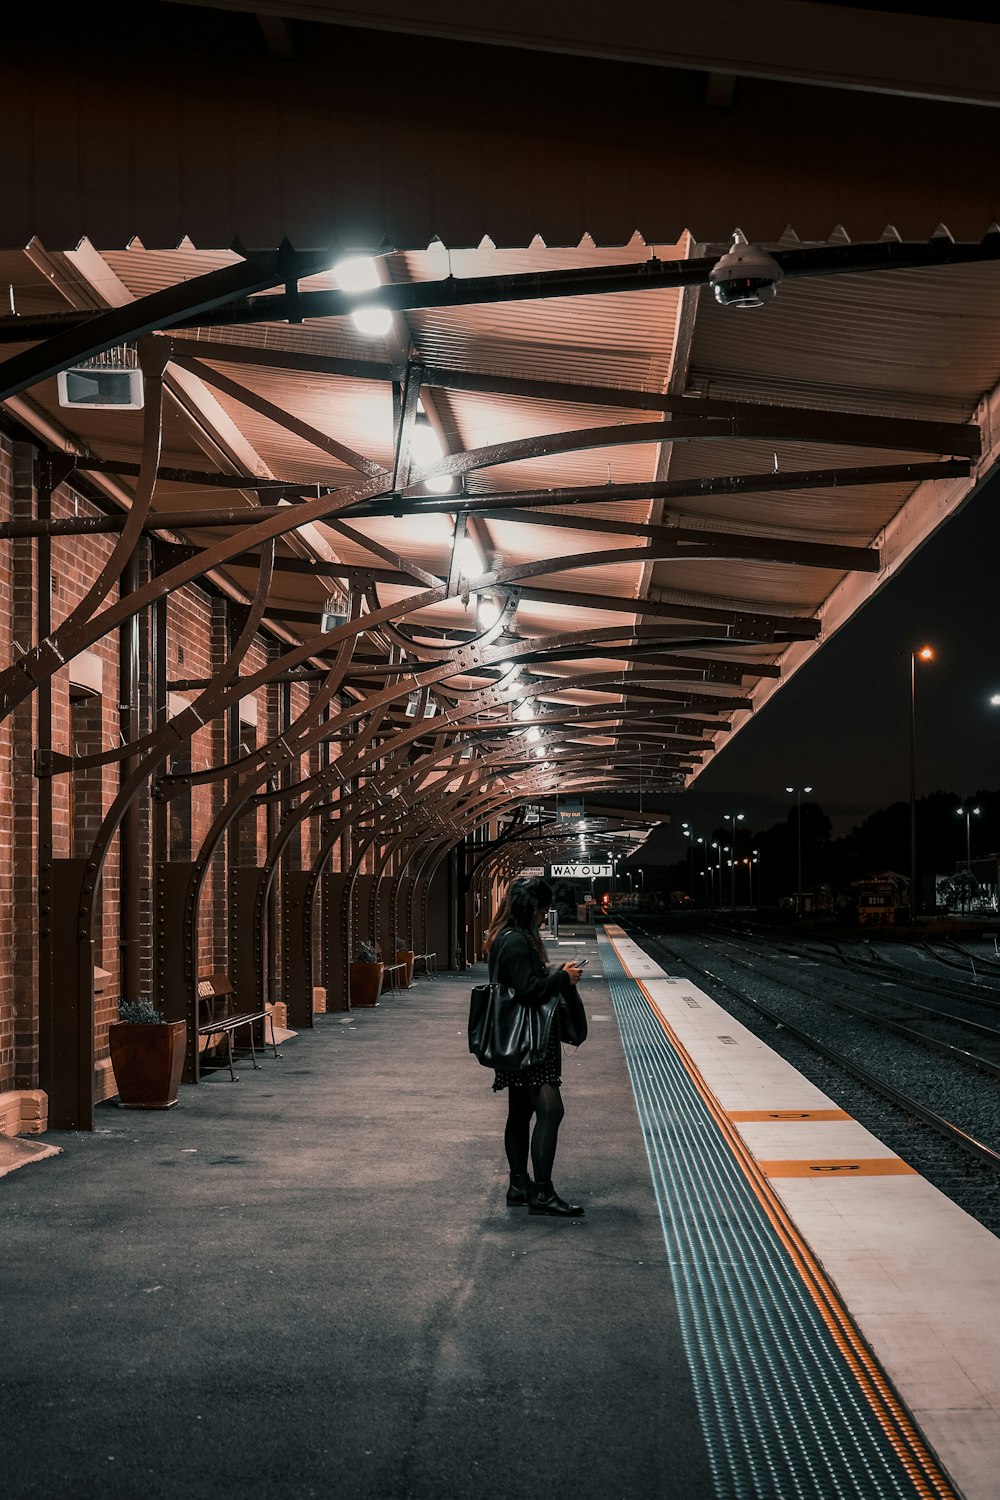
(959,889)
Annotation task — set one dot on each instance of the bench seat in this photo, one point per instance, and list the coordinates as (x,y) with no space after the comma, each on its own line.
(221,1018)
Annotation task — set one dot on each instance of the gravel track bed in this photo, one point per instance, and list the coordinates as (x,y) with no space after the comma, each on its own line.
(951,1089)
(942,985)
(883,993)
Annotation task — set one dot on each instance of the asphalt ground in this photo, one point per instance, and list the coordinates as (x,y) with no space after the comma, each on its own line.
(308,1284)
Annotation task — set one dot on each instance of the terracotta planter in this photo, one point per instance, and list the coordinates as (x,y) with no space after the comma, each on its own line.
(147,1062)
(405,956)
(365,983)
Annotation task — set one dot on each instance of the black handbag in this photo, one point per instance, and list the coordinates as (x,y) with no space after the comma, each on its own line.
(505,1034)
(572,1018)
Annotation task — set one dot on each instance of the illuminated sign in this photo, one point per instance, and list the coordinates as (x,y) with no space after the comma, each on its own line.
(580,872)
(570,809)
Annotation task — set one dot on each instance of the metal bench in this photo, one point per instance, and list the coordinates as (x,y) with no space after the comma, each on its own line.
(391,976)
(429,961)
(217,1004)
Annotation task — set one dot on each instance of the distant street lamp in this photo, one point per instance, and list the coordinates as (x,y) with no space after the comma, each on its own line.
(969,813)
(798,798)
(754,860)
(689,834)
(925,653)
(732,819)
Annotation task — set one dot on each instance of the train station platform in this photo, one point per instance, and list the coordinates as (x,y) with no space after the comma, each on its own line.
(308,1283)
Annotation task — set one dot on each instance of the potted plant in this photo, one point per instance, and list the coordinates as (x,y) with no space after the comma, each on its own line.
(365,978)
(147,1055)
(404,955)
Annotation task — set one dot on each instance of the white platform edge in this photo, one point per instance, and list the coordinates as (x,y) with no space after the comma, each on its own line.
(920,1277)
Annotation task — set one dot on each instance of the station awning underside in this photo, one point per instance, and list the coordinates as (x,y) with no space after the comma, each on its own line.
(658,508)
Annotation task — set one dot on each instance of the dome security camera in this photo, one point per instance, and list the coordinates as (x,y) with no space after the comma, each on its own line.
(746,276)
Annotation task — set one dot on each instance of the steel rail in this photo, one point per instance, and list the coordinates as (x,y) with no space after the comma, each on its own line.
(945,1127)
(889,1023)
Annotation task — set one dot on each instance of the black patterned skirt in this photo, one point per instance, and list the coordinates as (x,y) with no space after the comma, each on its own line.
(549,1070)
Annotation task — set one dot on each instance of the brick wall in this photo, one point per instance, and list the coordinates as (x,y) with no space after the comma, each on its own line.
(7,1056)
(85,719)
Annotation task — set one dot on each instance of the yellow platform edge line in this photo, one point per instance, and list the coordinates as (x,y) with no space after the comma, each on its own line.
(839,1166)
(925,1473)
(785,1115)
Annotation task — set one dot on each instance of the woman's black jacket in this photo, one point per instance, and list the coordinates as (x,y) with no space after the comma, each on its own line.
(514,961)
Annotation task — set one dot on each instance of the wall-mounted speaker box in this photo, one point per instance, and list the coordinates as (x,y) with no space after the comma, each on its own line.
(95,388)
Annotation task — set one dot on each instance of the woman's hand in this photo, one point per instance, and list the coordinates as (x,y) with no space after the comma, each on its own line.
(573,970)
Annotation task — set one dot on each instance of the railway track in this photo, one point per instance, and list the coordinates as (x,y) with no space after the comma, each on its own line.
(940,1111)
(944,1028)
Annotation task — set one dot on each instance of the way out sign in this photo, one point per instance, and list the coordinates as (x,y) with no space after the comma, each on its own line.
(580,872)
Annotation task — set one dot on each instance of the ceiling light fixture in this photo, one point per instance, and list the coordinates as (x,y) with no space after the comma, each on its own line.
(373,322)
(359,273)
(426,449)
(488,612)
(470,559)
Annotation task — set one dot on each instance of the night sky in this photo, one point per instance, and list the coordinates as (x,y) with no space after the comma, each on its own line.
(842,724)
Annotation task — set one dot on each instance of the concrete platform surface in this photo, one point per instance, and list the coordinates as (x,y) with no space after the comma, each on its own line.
(308,1284)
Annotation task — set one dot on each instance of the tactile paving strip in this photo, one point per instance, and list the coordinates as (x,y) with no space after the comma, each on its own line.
(793,1405)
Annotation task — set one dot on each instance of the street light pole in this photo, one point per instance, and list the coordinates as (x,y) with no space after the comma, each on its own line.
(969,812)
(754,860)
(688,833)
(798,798)
(925,653)
(732,819)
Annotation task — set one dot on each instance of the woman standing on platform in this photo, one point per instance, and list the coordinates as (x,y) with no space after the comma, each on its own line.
(517,958)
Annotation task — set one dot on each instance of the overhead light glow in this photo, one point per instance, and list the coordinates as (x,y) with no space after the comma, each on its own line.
(357,273)
(426,449)
(470,559)
(487,613)
(425,445)
(373,322)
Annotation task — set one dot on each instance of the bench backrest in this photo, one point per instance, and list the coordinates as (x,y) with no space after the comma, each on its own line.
(212,986)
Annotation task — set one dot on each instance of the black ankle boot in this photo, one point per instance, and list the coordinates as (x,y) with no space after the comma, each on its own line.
(520,1187)
(543,1199)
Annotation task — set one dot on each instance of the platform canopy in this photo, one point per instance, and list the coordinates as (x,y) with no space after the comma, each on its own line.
(591,517)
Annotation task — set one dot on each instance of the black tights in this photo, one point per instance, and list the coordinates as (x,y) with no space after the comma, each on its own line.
(545,1103)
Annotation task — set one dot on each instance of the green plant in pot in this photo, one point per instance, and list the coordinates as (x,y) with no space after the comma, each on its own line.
(365,977)
(147,1055)
(404,955)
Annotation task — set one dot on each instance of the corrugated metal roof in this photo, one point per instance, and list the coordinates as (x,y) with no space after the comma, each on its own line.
(913,343)
(922,344)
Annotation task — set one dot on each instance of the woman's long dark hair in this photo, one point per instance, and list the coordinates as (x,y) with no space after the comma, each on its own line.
(519,909)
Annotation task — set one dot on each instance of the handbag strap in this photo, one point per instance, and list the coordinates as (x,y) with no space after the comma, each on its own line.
(494,953)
